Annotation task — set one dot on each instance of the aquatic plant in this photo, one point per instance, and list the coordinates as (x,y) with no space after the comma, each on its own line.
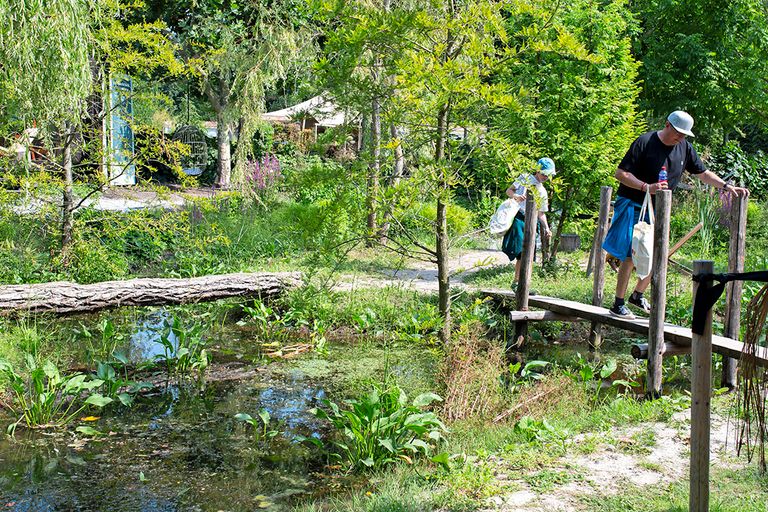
(184,349)
(520,375)
(382,427)
(117,386)
(592,374)
(259,425)
(48,398)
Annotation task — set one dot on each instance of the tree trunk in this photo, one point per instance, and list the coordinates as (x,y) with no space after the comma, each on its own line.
(441,227)
(224,165)
(563,216)
(67,203)
(219,99)
(374,167)
(399,167)
(68,298)
(394,180)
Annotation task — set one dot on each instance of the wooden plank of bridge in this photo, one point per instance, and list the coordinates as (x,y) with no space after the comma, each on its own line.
(673,334)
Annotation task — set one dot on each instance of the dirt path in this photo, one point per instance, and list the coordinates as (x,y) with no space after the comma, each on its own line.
(422,276)
(605,464)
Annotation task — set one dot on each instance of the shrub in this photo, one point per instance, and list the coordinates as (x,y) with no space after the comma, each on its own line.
(48,398)
(420,219)
(382,427)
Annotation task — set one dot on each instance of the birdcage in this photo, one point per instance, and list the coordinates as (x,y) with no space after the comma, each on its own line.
(193,164)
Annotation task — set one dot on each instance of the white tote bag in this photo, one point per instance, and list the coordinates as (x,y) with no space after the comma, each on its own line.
(642,240)
(501,221)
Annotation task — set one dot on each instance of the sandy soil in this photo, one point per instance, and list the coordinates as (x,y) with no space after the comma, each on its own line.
(616,463)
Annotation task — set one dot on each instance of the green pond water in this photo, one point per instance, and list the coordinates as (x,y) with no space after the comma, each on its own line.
(179,448)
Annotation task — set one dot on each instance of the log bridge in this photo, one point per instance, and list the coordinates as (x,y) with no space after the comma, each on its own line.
(663,338)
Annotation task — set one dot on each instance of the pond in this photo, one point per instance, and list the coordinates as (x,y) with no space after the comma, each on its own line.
(179,448)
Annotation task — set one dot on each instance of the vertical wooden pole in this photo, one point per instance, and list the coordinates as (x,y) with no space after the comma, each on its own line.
(598,255)
(734,289)
(591,259)
(658,293)
(526,265)
(701,385)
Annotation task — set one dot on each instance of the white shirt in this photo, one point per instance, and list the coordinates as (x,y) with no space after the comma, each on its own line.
(521,186)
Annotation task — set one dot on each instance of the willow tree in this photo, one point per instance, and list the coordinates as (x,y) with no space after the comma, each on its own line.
(235,50)
(45,53)
(52,55)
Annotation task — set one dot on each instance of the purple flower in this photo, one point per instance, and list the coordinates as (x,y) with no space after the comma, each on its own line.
(263,173)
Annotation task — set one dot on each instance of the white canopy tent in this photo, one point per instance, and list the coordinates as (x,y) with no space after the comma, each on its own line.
(324,112)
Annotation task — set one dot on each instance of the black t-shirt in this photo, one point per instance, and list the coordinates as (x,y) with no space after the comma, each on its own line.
(648,154)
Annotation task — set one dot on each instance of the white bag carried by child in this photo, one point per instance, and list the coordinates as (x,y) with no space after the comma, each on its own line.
(642,240)
(501,221)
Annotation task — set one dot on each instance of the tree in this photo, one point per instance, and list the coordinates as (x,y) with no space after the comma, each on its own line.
(53,56)
(235,50)
(707,58)
(578,81)
(363,43)
(45,76)
(444,81)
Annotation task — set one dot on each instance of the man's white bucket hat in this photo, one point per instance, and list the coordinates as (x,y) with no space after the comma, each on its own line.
(682,122)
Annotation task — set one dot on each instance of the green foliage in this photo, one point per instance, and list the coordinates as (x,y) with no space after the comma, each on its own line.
(520,375)
(577,87)
(382,427)
(259,425)
(731,162)
(184,349)
(705,57)
(45,48)
(592,375)
(420,218)
(48,398)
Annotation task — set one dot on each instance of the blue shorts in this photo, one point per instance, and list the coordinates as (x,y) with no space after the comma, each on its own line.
(618,240)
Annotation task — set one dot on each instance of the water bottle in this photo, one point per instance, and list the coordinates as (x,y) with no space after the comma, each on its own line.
(663,175)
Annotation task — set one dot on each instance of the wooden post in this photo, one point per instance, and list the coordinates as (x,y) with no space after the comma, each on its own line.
(734,289)
(701,385)
(596,329)
(526,265)
(658,293)
(591,259)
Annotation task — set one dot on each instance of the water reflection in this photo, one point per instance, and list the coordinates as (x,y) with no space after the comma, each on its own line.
(145,340)
(179,450)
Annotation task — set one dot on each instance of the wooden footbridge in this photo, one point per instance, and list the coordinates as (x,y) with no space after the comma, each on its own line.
(663,338)
(677,339)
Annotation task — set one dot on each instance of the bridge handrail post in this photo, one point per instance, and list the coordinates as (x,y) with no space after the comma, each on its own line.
(658,293)
(733,290)
(701,388)
(526,266)
(598,263)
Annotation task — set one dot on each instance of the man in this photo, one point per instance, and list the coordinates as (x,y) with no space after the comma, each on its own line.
(512,245)
(637,173)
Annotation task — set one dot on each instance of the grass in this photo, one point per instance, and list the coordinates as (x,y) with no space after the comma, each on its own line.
(732,490)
